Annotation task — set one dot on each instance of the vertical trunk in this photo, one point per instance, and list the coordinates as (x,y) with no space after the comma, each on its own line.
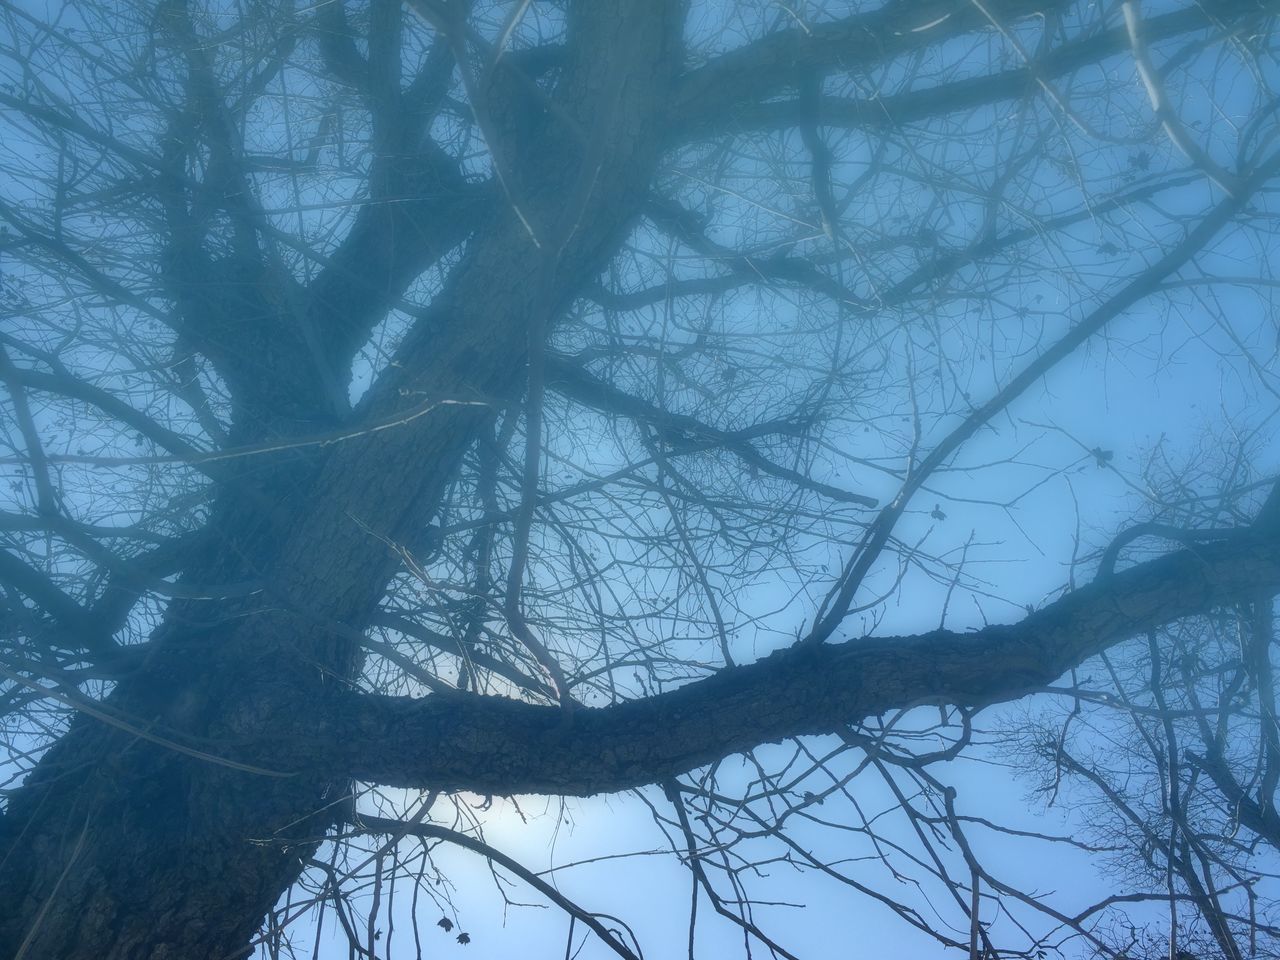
(121,847)
(148,854)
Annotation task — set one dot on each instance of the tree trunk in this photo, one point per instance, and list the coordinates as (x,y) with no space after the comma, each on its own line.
(135,837)
(149,854)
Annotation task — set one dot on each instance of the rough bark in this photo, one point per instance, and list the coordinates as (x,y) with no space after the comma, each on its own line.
(141,834)
(122,847)
(500,746)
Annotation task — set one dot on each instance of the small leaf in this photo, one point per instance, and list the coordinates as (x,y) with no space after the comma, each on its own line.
(445,924)
(937,513)
(464,938)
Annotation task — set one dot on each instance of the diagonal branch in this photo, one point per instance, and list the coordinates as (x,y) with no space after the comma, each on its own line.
(768,66)
(706,106)
(501,746)
(1141,287)
(683,431)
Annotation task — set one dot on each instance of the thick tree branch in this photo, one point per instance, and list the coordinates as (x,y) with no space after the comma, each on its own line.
(494,745)
(43,592)
(422,210)
(706,106)
(761,70)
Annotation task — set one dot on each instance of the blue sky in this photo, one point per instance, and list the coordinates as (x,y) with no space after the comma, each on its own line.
(1177,387)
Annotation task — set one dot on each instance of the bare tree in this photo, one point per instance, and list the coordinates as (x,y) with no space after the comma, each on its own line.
(1184,793)
(573,397)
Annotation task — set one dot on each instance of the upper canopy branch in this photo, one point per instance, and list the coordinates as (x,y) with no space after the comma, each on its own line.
(741,87)
(769,66)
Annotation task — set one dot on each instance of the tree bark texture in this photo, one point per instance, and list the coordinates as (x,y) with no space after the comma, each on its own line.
(170,818)
(118,846)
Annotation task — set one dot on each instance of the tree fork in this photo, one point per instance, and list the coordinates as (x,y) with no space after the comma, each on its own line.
(120,847)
